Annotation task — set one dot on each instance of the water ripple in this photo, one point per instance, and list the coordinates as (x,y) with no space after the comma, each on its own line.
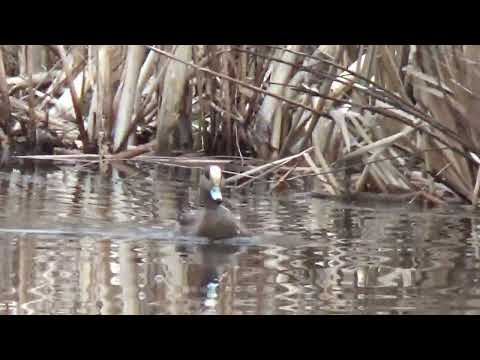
(76,242)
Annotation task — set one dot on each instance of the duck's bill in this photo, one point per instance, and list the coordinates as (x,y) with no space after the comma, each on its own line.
(216,193)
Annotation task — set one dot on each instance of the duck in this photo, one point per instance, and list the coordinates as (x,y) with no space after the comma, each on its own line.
(214,221)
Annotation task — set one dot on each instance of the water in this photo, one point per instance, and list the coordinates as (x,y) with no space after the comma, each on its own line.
(73,241)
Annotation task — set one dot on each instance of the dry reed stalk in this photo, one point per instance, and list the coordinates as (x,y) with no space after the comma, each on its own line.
(69,130)
(174,90)
(391,71)
(99,116)
(476,190)
(94,116)
(448,102)
(322,135)
(77,68)
(146,114)
(135,151)
(226,112)
(146,72)
(326,170)
(361,182)
(321,104)
(344,82)
(379,91)
(59,82)
(378,179)
(225,77)
(283,178)
(387,171)
(4,99)
(18,82)
(251,179)
(244,98)
(383,143)
(156,82)
(60,157)
(31,59)
(432,198)
(326,180)
(227,105)
(282,161)
(135,57)
(74,97)
(270,114)
(304,122)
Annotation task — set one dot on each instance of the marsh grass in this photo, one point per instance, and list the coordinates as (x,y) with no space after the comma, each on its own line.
(396,119)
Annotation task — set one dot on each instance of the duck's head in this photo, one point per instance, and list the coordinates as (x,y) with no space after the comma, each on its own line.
(211,182)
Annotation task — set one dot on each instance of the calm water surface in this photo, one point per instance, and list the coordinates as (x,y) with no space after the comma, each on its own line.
(73,241)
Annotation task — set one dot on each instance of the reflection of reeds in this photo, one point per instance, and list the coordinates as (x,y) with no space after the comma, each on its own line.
(25,271)
(370,260)
(8,266)
(106,292)
(176,302)
(128,278)
(86,270)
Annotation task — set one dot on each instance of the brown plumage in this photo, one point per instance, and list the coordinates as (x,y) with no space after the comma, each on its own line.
(214,221)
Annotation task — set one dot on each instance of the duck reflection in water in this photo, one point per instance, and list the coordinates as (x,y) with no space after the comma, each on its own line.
(208,268)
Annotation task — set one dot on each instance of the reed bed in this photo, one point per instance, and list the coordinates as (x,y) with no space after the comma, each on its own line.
(395,120)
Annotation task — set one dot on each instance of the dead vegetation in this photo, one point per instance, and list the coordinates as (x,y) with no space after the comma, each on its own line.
(395,120)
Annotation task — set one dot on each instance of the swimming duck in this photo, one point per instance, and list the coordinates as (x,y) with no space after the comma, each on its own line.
(215,221)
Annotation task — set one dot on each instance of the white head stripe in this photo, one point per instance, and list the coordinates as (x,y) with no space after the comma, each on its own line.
(215,174)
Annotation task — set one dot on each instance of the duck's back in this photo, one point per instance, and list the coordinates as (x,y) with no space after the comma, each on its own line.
(219,223)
